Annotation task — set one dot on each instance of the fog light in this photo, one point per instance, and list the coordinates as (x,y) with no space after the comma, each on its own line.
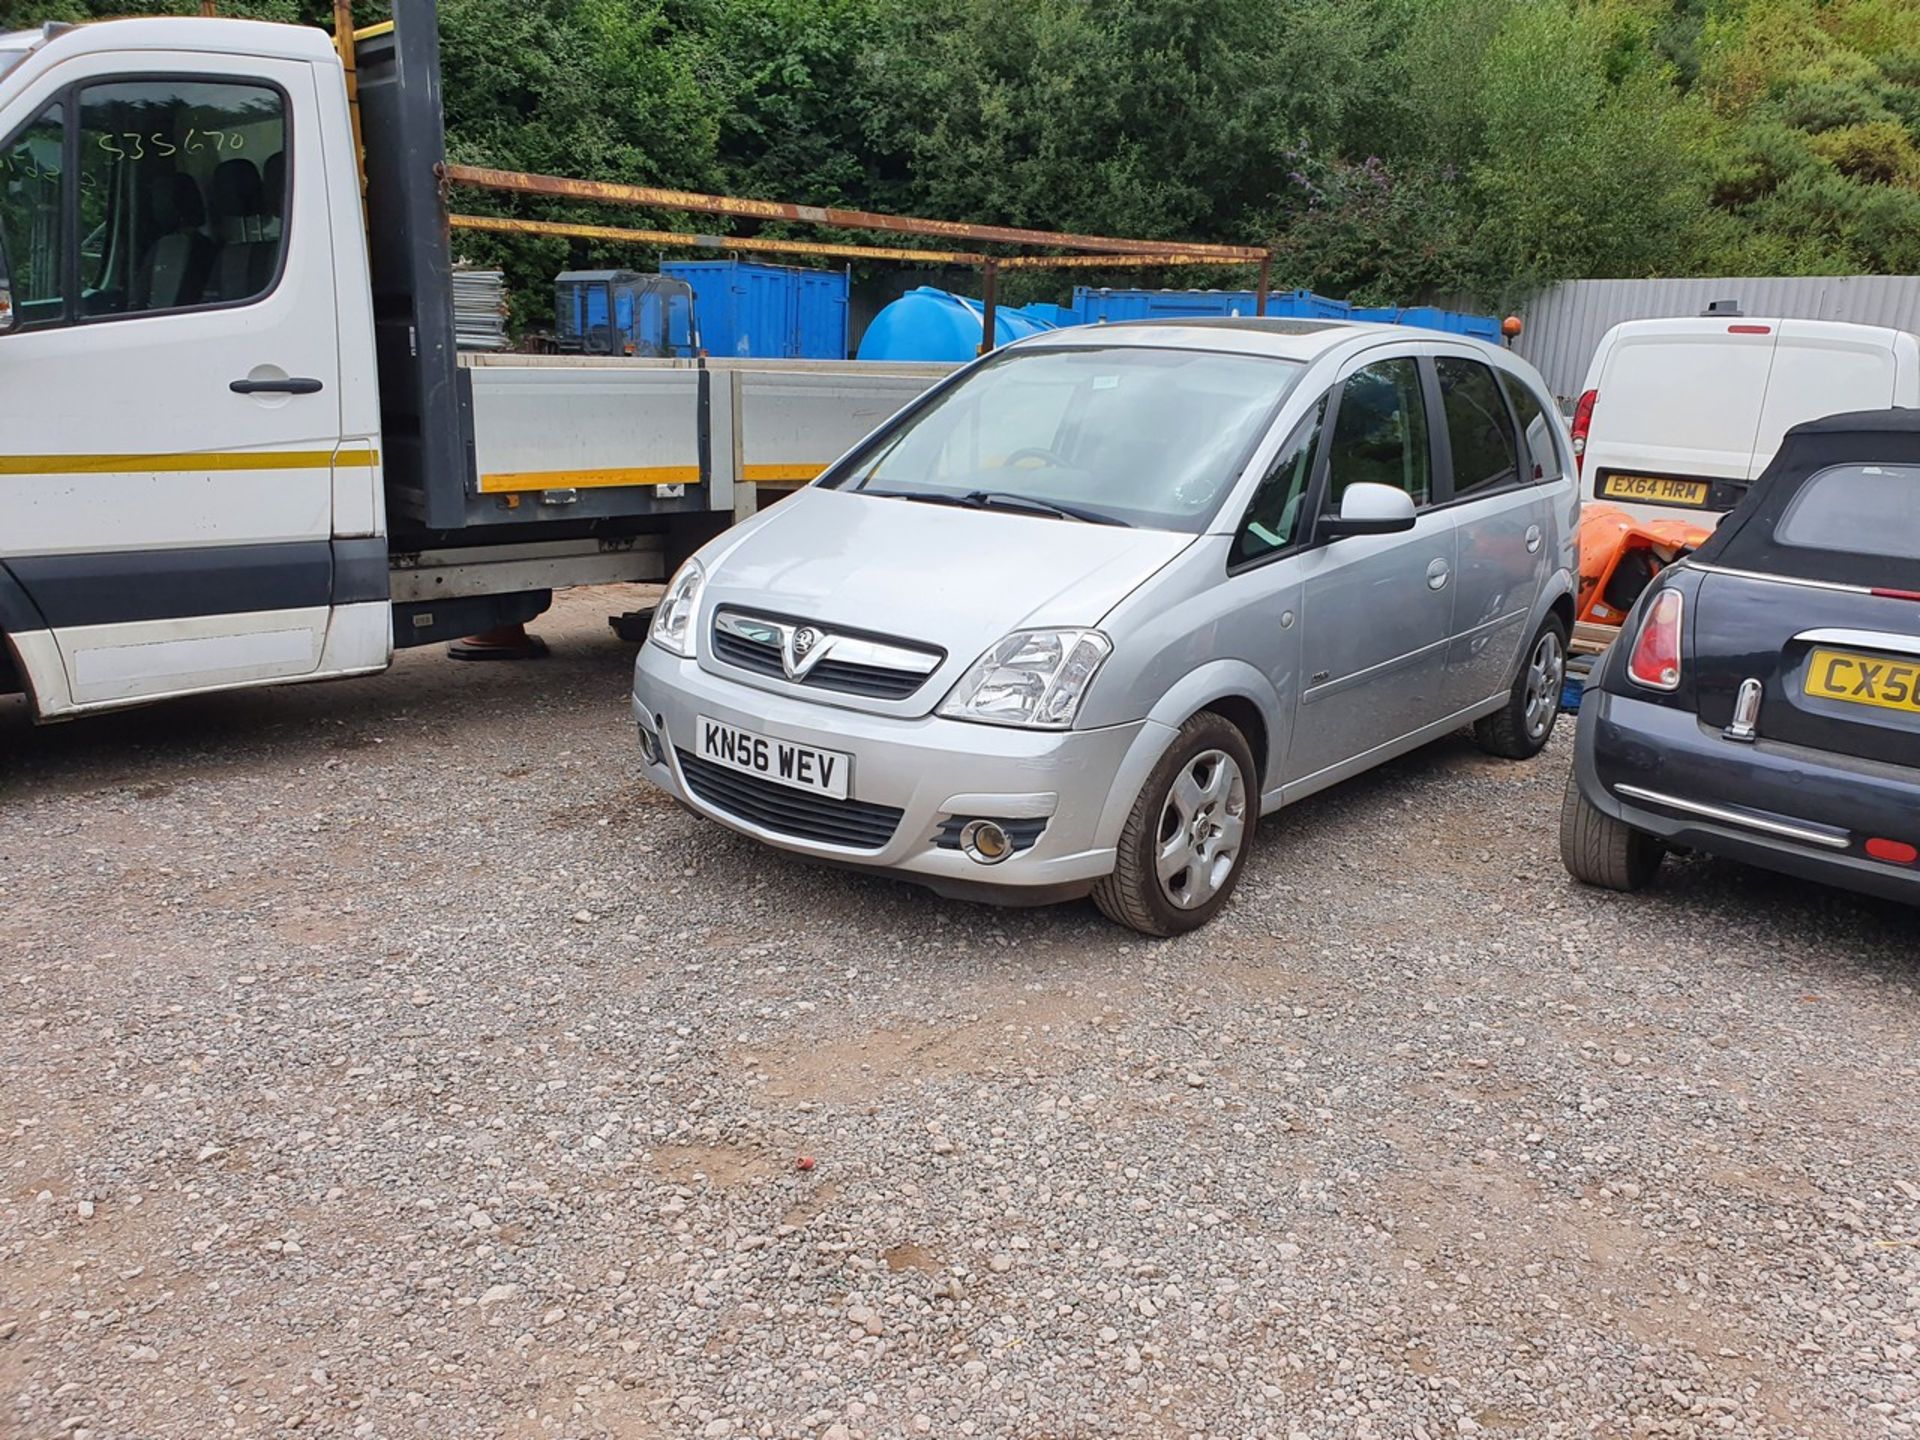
(650,746)
(986,842)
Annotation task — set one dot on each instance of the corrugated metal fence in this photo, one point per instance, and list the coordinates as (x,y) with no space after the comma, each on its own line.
(1565,322)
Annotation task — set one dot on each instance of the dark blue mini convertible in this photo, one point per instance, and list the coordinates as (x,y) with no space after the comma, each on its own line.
(1763,699)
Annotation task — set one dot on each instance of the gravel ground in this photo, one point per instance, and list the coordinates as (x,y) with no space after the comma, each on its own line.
(385,1059)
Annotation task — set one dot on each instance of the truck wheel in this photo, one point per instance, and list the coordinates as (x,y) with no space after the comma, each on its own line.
(1520,729)
(1186,839)
(1600,850)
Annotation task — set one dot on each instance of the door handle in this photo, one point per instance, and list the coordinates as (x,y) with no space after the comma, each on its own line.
(1437,575)
(1533,539)
(292,385)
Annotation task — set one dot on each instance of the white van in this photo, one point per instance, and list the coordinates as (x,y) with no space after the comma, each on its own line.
(1677,416)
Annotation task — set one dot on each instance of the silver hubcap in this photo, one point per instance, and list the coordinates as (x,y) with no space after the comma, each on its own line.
(1201,827)
(1546,672)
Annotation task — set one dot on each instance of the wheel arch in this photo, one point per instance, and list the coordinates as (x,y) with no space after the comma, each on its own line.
(1232,689)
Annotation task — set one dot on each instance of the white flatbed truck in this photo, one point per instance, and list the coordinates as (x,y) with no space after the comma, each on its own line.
(239,445)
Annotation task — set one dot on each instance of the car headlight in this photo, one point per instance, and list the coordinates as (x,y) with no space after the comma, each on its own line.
(673,620)
(1033,678)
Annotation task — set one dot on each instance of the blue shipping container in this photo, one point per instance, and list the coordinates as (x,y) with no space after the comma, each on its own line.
(766,312)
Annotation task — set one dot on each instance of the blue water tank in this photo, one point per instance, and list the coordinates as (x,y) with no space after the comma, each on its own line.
(933,324)
(767,312)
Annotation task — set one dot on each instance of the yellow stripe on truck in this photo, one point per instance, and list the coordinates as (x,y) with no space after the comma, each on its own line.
(762,473)
(503,482)
(184,461)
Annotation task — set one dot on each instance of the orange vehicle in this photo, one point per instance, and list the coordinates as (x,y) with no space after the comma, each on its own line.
(1619,556)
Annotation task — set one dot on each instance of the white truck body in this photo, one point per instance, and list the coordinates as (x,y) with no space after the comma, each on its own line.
(239,448)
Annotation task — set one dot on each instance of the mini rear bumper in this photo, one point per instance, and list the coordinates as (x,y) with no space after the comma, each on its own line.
(1076,784)
(1804,812)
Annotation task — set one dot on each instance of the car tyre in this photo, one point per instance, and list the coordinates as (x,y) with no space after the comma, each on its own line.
(1185,842)
(1600,850)
(1520,729)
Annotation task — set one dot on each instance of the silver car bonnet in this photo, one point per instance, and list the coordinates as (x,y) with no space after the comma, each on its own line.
(934,576)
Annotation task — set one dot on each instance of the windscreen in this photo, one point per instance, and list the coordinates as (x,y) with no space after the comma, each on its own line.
(1127,434)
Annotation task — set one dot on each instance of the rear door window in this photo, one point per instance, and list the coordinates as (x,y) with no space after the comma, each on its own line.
(1857,509)
(1479,430)
(1538,449)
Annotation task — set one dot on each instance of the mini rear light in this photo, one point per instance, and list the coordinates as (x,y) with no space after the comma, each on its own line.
(1898,594)
(1749,329)
(1582,422)
(1655,662)
(1894,852)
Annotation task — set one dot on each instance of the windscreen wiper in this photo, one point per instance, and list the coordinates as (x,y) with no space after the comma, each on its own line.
(997,500)
(924,497)
(1006,500)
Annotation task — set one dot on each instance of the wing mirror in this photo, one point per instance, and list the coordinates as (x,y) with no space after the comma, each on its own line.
(1369,509)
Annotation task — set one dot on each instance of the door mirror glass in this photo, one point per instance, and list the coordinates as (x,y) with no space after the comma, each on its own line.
(1370,509)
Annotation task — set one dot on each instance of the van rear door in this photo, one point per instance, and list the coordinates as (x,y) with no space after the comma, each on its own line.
(1679,406)
(1820,368)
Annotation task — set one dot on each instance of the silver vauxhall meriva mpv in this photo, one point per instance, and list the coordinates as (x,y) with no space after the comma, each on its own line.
(1077,617)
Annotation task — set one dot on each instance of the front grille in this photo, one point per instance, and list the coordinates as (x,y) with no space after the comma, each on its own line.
(848,677)
(738,650)
(786,811)
(1023,834)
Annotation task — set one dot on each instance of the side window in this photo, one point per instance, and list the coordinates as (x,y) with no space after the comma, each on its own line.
(1273,519)
(1380,433)
(31,166)
(1537,449)
(182,194)
(1479,432)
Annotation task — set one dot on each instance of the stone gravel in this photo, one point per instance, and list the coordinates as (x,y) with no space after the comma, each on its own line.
(387,1059)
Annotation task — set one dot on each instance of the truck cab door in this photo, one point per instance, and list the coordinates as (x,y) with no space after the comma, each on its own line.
(174,420)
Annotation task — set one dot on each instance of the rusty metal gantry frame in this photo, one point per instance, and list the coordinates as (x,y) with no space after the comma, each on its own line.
(1097,251)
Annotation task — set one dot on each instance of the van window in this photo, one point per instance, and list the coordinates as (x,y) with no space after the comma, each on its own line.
(1380,433)
(182,193)
(1537,446)
(1479,430)
(1273,518)
(30,173)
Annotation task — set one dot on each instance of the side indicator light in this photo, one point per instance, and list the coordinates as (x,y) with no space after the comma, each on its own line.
(1885,594)
(1749,329)
(1894,852)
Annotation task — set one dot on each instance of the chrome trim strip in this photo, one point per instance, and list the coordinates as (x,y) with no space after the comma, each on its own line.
(1862,639)
(1693,564)
(1735,817)
(774,635)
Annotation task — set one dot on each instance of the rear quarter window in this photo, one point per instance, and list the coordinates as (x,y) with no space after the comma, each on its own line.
(1858,509)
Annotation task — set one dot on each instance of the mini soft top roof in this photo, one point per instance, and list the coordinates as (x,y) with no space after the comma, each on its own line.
(1745,539)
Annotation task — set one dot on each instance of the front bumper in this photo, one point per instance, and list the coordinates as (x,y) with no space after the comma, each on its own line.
(1081,782)
(1785,807)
